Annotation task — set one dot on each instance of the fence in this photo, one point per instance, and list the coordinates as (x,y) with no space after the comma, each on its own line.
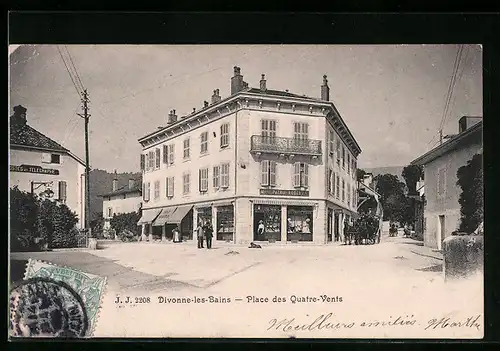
(83,238)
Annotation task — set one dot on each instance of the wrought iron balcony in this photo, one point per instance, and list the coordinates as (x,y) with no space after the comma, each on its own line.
(285,146)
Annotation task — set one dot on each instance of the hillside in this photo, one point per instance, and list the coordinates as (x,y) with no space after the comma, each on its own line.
(395,170)
(101,182)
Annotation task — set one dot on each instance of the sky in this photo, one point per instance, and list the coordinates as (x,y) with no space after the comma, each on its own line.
(392,97)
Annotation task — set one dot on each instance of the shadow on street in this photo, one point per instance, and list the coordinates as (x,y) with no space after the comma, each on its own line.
(435,268)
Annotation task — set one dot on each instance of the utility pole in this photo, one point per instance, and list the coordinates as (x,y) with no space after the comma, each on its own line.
(85,116)
(440,136)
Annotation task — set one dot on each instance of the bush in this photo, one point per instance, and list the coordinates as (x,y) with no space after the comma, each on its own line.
(126,221)
(126,235)
(463,255)
(97,226)
(56,225)
(23,221)
(470,180)
(39,224)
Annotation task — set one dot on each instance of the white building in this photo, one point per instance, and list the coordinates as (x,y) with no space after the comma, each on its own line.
(123,199)
(261,165)
(40,165)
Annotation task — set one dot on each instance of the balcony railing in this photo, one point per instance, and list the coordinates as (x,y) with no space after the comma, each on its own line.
(289,146)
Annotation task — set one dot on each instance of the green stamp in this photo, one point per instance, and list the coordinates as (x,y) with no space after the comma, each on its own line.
(88,286)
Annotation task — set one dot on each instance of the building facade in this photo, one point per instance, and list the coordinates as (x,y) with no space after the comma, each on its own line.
(260,165)
(124,199)
(41,166)
(441,209)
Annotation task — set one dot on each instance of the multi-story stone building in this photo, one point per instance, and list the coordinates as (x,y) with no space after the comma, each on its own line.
(44,167)
(260,165)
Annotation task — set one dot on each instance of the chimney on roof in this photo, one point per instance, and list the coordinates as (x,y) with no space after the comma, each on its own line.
(172,117)
(325,90)
(115,182)
(205,104)
(19,116)
(237,83)
(216,97)
(194,110)
(466,122)
(131,183)
(263,83)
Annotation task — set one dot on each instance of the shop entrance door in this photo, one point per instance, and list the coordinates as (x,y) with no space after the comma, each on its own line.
(329,229)
(336,228)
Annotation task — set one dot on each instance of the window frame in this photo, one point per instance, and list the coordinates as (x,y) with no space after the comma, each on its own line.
(224,135)
(203,179)
(204,143)
(224,177)
(216,177)
(186,155)
(186,185)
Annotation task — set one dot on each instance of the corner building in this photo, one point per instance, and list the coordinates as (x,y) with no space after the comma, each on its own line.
(260,165)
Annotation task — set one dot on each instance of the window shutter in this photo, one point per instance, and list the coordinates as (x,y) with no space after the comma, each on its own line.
(306,175)
(165,154)
(216,177)
(143,162)
(167,187)
(333,183)
(62,190)
(264,169)
(144,191)
(272,173)
(296,175)
(158,158)
(199,180)
(171,154)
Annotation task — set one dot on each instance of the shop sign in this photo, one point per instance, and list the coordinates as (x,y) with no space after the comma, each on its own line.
(33,169)
(284,192)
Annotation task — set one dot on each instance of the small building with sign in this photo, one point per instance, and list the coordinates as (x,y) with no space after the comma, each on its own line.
(42,166)
(259,165)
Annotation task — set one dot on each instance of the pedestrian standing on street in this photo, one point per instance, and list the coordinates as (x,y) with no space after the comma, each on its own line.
(177,234)
(209,234)
(200,235)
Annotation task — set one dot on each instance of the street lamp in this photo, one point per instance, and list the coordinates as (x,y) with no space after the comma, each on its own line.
(46,193)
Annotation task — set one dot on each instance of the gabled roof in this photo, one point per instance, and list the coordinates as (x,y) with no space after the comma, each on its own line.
(471,134)
(24,135)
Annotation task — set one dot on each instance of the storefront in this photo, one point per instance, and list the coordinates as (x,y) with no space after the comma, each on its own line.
(204,214)
(299,223)
(267,223)
(225,223)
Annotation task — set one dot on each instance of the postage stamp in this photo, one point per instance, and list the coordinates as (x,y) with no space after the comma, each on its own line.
(89,287)
(41,307)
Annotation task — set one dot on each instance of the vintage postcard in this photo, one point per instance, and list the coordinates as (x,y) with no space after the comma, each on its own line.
(246,191)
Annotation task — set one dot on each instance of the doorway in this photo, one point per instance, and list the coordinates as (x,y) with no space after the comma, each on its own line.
(441,231)
(329,229)
(336,228)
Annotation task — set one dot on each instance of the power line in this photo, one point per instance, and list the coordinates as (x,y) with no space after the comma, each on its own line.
(454,78)
(69,72)
(82,87)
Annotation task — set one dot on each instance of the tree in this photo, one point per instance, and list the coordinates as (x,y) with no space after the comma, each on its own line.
(391,195)
(412,174)
(360,174)
(23,219)
(471,200)
(126,221)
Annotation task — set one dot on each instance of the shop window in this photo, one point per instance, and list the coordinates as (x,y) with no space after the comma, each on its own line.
(205,214)
(267,223)
(225,223)
(299,223)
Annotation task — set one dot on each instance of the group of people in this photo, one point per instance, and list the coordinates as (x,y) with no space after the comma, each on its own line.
(204,232)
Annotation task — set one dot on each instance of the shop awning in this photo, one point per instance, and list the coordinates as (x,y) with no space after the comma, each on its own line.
(164,216)
(179,214)
(148,216)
